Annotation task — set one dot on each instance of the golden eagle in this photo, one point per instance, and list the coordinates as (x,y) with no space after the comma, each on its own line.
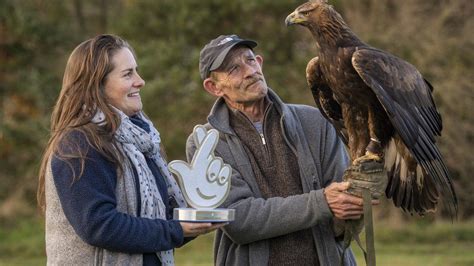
(382,107)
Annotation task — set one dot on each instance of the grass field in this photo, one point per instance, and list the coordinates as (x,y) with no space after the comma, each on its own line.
(22,243)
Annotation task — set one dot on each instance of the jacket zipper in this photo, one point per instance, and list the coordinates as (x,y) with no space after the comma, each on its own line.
(262,135)
(263,139)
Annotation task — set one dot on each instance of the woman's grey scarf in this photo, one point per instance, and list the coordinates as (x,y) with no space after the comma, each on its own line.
(136,143)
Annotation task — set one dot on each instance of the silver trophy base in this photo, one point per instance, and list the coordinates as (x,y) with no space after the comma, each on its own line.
(204,216)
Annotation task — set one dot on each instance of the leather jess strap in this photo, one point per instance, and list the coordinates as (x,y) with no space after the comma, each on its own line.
(368,180)
(351,232)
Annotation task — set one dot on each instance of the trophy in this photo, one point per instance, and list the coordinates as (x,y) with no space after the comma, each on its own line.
(205,182)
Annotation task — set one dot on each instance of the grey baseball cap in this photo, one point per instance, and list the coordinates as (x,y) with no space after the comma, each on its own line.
(214,53)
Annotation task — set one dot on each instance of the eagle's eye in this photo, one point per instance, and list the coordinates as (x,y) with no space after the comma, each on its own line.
(304,13)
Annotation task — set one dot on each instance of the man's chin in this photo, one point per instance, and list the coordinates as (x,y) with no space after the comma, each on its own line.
(262,90)
(260,94)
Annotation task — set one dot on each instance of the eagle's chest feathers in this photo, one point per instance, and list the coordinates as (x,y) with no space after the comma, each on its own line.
(338,72)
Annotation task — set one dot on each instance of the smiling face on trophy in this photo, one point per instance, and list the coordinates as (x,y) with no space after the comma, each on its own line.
(205,182)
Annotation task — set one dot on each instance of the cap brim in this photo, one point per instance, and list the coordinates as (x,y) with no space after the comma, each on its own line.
(221,57)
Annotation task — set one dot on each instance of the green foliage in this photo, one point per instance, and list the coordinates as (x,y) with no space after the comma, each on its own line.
(438,253)
(22,239)
(424,233)
(422,244)
(36,37)
(30,81)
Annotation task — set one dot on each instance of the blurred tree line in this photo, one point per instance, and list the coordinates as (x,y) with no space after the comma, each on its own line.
(36,37)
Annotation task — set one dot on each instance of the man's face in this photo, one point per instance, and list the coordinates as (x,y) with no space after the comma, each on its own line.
(240,79)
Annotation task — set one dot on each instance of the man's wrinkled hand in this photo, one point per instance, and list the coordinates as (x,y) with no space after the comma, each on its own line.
(343,206)
(369,175)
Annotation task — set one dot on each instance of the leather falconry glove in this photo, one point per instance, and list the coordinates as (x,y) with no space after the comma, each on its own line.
(369,175)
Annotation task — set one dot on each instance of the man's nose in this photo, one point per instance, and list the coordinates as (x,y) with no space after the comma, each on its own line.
(249,70)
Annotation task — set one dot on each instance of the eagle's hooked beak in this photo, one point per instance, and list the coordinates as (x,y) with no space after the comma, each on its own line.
(294,18)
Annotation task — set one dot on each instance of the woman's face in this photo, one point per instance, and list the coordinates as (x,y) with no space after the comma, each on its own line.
(123,84)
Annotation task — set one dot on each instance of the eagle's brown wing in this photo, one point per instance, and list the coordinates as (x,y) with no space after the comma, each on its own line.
(323,97)
(407,99)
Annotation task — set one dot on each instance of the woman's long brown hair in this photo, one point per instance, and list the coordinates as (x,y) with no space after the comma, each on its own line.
(82,93)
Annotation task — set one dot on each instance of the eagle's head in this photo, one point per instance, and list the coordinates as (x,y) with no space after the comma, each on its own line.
(308,13)
(323,21)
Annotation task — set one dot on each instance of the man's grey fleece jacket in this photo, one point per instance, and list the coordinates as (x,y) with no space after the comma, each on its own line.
(322,160)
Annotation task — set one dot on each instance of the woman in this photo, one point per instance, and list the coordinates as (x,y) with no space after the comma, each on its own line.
(103,183)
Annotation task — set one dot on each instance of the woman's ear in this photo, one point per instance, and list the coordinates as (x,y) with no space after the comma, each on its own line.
(211,87)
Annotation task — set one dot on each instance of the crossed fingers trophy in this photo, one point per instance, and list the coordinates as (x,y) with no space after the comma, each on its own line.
(205,182)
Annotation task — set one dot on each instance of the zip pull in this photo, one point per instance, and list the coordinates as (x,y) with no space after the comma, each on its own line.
(263,139)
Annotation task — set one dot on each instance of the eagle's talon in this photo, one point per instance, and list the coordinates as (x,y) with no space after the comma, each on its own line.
(367,158)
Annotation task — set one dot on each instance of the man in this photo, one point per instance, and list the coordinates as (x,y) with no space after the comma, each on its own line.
(287,161)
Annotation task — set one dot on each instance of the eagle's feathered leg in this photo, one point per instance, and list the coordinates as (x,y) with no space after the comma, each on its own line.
(379,136)
(355,121)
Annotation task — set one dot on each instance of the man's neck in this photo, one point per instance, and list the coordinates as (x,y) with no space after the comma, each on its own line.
(254,111)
